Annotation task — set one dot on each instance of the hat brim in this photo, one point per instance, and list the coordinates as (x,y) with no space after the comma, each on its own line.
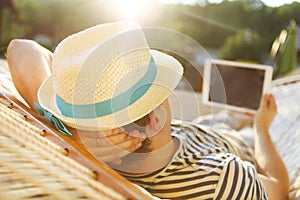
(169,73)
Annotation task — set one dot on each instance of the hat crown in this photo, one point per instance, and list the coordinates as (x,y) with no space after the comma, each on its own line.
(99,63)
(106,77)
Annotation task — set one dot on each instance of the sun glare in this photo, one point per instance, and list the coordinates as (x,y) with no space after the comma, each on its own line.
(131,9)
(179,1)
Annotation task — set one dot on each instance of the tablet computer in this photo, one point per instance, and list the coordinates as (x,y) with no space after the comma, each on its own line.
(235,85)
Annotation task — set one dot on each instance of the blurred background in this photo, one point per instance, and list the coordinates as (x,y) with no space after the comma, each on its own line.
(245,30)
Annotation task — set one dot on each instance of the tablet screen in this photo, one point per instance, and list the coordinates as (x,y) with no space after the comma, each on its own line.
(243,86)
(236,84)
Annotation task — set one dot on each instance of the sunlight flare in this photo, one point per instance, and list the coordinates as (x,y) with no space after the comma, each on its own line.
(131,9)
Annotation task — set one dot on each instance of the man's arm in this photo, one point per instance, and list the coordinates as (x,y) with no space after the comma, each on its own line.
(271,168)
(29,64)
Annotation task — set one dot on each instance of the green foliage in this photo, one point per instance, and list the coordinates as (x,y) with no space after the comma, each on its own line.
(244,45)
(49,21)
(9,30)
(286,55)
(55,19)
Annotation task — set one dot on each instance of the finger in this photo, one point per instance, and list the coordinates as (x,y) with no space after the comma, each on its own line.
(130,145)
(273,102)
(138,134)
(249,114)
(105,141)
(117,131)
(122,137)
(119,136)
(120,154)
(116,162)
(94,134)
(109,133)
(100,133)
(265,100)
(272,99)
(113,140)
(111,154)
(115,148)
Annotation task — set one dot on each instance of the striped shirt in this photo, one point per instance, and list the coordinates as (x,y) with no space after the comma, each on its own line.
(207,165)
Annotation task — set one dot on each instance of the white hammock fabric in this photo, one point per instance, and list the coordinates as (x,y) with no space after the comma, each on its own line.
(32,167)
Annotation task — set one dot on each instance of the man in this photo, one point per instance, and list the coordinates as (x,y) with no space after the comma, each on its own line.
(112,63)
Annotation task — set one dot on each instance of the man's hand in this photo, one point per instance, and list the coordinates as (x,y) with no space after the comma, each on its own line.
(266,112)
(29,64)
(111,145)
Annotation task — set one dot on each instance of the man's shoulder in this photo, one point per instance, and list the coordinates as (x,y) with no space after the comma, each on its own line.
(191,130)
(178,124)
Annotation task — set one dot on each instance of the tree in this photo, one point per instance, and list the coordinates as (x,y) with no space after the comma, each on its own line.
(244,45)
(285,50)
(7,10)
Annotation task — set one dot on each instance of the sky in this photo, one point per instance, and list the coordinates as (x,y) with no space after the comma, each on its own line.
(272,3)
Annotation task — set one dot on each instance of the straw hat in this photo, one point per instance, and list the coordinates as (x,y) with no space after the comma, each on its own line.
(106,76)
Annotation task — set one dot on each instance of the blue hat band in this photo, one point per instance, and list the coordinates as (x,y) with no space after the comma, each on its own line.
(115,104)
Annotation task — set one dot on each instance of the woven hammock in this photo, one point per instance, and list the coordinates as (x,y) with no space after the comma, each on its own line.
(33,166)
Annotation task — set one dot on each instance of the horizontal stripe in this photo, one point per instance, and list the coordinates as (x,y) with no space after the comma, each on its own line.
(184,187)
(197,195)
(173,180)
(197,175)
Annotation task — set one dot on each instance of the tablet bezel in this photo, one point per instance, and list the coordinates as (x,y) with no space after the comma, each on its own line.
(207,76)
